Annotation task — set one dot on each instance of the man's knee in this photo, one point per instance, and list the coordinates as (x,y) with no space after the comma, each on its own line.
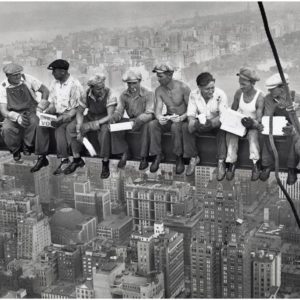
(176,127)
(153,124)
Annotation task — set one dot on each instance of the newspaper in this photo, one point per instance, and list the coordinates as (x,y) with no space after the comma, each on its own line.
(278,123)
(231,122)
(87,144)
(45,119)
(121,126)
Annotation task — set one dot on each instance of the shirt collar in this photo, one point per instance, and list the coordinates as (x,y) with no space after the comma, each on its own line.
(201,97)
(6,83)
(91,95)
(66,82)
(141,92)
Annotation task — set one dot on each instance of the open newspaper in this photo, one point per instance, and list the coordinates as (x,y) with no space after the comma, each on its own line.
(121,126)
(45,119)
(231,122)
(278,123)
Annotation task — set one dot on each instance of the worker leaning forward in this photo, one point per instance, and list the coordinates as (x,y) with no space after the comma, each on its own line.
(206,104)
(138,102)
(100,103)
(18,105)
(175,95)
(249,101)
(65,94)
(275,101)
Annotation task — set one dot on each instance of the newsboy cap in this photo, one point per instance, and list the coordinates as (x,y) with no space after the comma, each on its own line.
(162,68)
(132,76)
(248,74)
(275,80)
(96,79)
(12,68)
(59,64)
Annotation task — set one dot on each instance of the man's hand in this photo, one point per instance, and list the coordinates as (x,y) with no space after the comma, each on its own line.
(175,118)
(138,123)
(114,118)
(56,123)
(163,120)
(295,106)
(50,110)
(288,130)
(205,127)
(260,127)
(248,122)
(23,120)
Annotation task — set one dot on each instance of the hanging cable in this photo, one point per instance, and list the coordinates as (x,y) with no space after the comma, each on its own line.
(292,113)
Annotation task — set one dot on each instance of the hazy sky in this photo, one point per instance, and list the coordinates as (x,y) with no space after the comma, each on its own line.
(23,20)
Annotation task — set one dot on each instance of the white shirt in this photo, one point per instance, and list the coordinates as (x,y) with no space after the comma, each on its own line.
(211,109)
(31,82)
(67,95)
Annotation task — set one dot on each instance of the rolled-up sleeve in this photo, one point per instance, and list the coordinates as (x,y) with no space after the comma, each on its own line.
(192,107)
(120,107)
(34,82)
(150,103)
(112,99)
(76,95)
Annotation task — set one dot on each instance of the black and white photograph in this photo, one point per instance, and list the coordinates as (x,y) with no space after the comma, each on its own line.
(149,149)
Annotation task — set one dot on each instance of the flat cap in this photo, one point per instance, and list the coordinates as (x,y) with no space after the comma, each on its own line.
(162,68)
(96,79)
(132,76)
(275,80)
(12,68)
(248,74)
(59,64)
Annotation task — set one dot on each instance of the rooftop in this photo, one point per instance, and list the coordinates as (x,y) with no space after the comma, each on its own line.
(62,289)
(115,221)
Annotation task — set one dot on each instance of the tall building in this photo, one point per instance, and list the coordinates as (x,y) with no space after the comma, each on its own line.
(202,176)
(92,202)
(33,235)
(152,200)
(69,263)
(220,251)
(266,272)
(7,183)
(169,259)
(37,182)
(115,185)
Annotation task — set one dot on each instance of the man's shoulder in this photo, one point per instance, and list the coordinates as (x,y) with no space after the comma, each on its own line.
(75,81)
(180,84)
(146,91)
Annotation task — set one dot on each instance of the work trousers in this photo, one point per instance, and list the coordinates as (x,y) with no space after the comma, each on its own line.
(232,141)
(42,140)
(15,135)
(119,139)
(156,131)
(267,156)
(103,137)
(189,141)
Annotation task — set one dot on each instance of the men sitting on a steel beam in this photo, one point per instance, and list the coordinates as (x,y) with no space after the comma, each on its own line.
(138,102)
(204,108)
(275,101)
(18,105)
(175,95)
(249,101)
(99,102)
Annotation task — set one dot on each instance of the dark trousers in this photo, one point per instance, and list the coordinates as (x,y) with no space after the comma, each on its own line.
(119,140)
(189,141)
(156,131)
(43,139)
(103,137)
(15,135)
(267,156)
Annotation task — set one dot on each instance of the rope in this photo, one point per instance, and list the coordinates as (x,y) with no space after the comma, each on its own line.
(292,114)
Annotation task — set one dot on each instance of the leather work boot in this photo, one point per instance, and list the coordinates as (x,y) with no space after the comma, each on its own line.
(231,171)
(221,172)
(61,167)
(27,150)
(143,164)
(76,163)
(194,161)
(155,165)
(179,165)
(105,169)
(41,162)
(265,174)
(255,172)
(122,162)
(292,176)
(17,155)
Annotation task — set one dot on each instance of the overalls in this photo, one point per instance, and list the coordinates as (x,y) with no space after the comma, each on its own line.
(19,99)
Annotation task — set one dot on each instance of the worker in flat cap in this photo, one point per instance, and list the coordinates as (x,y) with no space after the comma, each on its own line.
(99,102)
(174,94)
(205,106)
(249,101)
(275,101)
(138,102)
(66,92)
(18,105)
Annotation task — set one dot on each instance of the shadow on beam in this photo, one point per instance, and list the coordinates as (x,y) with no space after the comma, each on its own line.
(206,145)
